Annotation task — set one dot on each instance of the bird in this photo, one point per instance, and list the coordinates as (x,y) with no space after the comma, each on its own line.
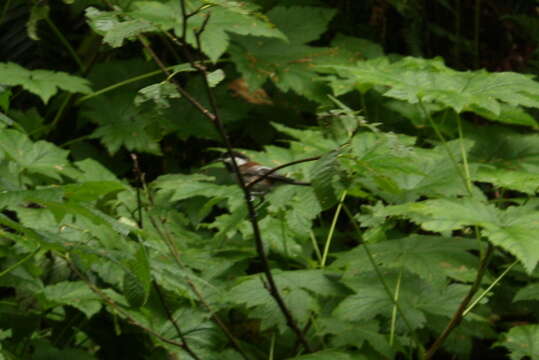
(251,171)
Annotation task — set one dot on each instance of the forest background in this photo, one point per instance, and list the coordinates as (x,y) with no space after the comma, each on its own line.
(122,237)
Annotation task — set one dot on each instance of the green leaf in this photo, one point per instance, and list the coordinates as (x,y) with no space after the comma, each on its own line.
(215,77)
(43,83)
(529,292)
(224,20)
(290,65)
(324,175)
(113,28)
(39,12)
(76,294)
(522,341)
(415,79)
(291,21)
(40,157)
(159,93)
(137,279)
(512,229)
(345,333)
(299,289)
(329,354)
(430,257)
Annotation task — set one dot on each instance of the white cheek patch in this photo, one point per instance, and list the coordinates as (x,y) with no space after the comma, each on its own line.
(240,161)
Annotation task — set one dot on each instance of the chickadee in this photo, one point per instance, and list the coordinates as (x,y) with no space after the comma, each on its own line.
(252,170)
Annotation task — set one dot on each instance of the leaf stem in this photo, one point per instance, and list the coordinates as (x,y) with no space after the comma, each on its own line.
(458,315)
(332,229)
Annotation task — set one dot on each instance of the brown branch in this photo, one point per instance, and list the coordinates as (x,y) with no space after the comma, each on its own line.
(457,316)
(277,168)
(172,248)
(183,345)
(272,286)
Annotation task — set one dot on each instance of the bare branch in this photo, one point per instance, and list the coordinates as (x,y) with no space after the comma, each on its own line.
(277,168)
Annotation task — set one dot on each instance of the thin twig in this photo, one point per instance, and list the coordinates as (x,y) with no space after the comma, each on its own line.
(142,184)
(172,248)
(277,168)
(129,319)
(457,316)
(272,286)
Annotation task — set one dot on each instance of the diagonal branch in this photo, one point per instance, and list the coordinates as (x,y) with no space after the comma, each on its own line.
(458,315)
(217,122)
(277,168)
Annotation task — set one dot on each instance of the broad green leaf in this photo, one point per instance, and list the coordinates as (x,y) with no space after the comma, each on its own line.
(291,21)
(115,30)
(180,187)
(290,64)
(225,20)
(529,292)
(43,83)
(430,257)
(415,80)
(40,157)
(417,298)
(324,175)
(122,123)
(505,158)
(300,290)
(76,294)
(513,229)
(137,279)
(159,93)
(345,333)
(522,341)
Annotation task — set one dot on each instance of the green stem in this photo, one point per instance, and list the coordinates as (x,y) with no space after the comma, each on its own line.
(444,143)
(118,85)
(66,43)
(394,312)
(464,155)
(380,276)
(332,229)
(20,262)
(484,293)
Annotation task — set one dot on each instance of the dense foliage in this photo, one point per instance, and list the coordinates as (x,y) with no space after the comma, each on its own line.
(121,237)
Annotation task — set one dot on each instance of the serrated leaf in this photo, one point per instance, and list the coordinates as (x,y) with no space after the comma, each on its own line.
(355,334)
(512,229)
(323,175)
(299,289)
(529,292)
(115,30)
(159,93)
(43,83)
(291,21)
(224,20)
(522,341)
(414,80)
(40,157)
(137,279)
(430,257)
(76,294)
